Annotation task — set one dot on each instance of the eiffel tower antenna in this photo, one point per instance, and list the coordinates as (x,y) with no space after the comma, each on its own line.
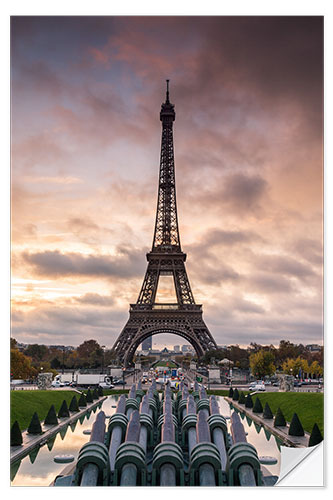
(147,317)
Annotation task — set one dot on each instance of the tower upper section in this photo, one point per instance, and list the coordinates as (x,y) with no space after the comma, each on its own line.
(166,235)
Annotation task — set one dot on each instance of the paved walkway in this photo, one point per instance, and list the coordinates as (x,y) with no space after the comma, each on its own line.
(32,440)
(280,432)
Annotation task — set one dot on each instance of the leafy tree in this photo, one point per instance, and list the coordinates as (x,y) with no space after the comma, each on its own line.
(20,365)
(315,369)
(90,353)
(293,366)
(13,343)
(262,363)
(37,352)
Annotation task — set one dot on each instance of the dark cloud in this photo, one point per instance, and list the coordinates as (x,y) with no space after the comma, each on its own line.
(54,264)
(310,250)
(286,266)
(243,192)
(266,283)
(95,299)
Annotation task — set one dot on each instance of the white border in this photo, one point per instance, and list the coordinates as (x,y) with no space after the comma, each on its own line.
(171,7)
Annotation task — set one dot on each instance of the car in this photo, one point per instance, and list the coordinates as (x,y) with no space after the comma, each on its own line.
(119,382)
(105,385)
(257,386)
(57,383)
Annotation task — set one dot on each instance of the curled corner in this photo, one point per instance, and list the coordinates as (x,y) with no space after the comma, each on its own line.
(302,466)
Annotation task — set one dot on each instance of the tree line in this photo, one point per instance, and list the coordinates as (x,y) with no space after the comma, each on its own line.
(27,363)
(294,359)
(261,360)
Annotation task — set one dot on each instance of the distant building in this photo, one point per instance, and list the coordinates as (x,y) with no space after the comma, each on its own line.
(176,348)
(313,347)
(147,344)
(186,348)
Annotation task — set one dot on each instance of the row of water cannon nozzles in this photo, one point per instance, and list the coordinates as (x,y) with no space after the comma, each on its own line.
(176,438)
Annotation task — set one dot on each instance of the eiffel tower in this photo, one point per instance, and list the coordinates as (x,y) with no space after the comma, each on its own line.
(166,258)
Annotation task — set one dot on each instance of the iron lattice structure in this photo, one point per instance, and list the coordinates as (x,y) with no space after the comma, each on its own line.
(147,317)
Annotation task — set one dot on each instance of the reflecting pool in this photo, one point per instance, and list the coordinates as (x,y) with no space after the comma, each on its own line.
(39,469)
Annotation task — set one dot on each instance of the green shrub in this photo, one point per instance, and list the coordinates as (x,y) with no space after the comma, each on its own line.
(257,408)
(89,397)
(268,412)
(231,392)
(279,420)
(235,396)
(73,406)
(82,401)
(34,426)
(315,437)
(15,435)
(249,401)
(63,412)
(241,398)
(51,417)
(295,428)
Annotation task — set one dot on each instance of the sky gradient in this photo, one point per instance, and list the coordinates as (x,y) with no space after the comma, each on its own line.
(86,96)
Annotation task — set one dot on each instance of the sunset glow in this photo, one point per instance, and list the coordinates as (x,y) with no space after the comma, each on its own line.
(86,96)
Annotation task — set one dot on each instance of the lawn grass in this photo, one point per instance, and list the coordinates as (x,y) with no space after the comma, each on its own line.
(308,406)
(23,404)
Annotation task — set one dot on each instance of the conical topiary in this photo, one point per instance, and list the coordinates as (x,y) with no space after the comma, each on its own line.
(82,401)
(267,412)
(35,427)
(315,437)
(89,397)
(249,401)
(241,400)
(15,435)
(295,428)
(231,392)
(95,394)
(257,408)
(279,420)
(235,395)
(100,391)
(73,406)
(51,417)
(63,412)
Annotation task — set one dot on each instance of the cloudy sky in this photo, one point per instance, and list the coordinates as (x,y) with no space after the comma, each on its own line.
(86,96)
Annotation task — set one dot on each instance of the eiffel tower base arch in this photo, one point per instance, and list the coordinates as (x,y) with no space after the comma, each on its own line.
(185,321)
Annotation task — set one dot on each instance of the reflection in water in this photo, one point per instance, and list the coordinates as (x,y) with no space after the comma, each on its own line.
(63,432)
(249,421)
(50,442)
(256,435)
(267,434)
(33,454)
(257,427)
(278,442)
(44,469)
(73,425)
(13,469)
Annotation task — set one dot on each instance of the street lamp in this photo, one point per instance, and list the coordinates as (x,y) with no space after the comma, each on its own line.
(103,347)
(63,358)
